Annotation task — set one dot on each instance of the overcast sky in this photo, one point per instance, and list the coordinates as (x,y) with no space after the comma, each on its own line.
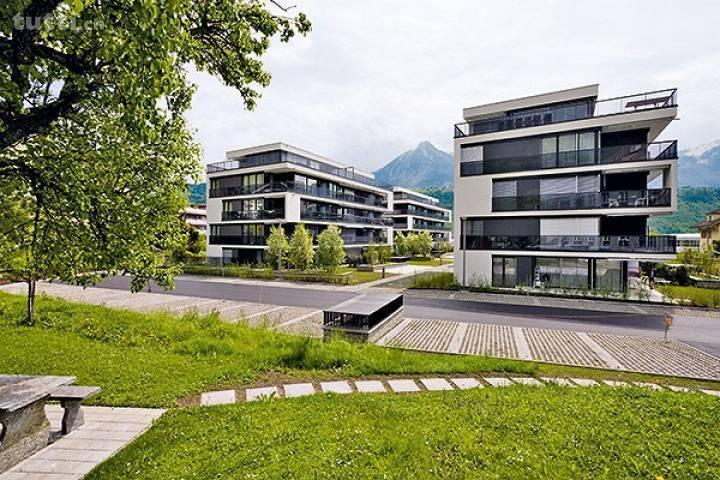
(376,77)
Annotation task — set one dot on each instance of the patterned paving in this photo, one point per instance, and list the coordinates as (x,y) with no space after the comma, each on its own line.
(489,340)
(631,353)
(559,346)
(429,335)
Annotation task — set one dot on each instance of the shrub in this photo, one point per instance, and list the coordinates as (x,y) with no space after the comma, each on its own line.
(401,245)
(440,281)
(371,254)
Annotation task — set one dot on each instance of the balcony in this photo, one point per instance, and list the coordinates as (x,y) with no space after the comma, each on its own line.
(666,150)
(567,112)
(660,244)
(337,218)
(253,214)
(661,197)
(283,187)
(363,239)
(423,213)
(257,240)
(281,156)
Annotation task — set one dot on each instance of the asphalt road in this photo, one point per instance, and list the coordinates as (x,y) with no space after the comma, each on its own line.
(702,333)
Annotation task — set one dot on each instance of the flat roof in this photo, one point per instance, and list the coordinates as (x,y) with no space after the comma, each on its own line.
(489,109)
(241,152)
(365,304)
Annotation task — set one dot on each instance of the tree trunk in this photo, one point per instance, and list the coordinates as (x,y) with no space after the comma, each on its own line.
(31,302)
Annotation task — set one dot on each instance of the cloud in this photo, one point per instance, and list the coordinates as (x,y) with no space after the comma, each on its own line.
(374,78)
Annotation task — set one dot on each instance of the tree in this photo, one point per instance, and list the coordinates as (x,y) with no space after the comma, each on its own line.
(371,254)
(195,247)
(92,135)
(384,253)
(57,55)
(401,244)
(75,216)
(331,249)
(278,247)
(420,243)
(301,248)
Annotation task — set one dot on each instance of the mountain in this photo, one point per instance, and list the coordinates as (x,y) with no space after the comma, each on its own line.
(693,204)
(423,167)
(700,166)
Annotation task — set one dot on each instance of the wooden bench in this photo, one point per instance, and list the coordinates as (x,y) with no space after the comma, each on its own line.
(70,398)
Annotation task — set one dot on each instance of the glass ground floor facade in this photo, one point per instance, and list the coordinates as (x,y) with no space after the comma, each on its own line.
(559,272)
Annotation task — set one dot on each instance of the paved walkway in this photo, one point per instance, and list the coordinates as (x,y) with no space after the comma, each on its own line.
(410,385)
(618,352)
(106,431)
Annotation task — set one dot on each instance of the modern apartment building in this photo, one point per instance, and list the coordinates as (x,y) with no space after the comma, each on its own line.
(555,190)
(280,184)
(710,229)
(415,212)
(196,217)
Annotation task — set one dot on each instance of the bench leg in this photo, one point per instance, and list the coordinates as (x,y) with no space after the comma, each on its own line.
(73,416)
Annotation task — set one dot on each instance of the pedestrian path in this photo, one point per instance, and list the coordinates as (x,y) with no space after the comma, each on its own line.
(106,431)
(618,352)
(417,385)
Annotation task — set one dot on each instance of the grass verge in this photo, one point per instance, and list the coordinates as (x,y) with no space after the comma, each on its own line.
(152,359)
(704,297)
(510,433)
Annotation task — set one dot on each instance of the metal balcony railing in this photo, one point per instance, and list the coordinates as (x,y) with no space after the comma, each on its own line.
(661,197)
(665,150)
(237,240)
(660,244)
(570,111)
(423,213)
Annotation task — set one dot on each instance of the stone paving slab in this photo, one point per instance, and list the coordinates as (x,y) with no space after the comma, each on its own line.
(466,383)
(403,386)
(309,326)
(490,340)
(222,397)
(299,389)
(561,346)
(562,382)
(498,381)
(585,382)
(370,386)
(423,334)
(342,387)
(74,455)
(527,381)
(436,384)
(253,394)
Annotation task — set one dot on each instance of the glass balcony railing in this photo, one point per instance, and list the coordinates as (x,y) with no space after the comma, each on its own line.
(570,111)
(282,156)
(255,240)
(338,218)
(363,239)
(661,197)
(253,214)
(282,187)
(660,244)
(665,150)
(422,213)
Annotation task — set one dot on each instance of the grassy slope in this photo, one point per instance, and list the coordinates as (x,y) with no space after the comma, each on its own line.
(153,359)
(513,433)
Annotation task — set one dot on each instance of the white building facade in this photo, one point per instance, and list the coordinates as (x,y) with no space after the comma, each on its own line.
(279,184)
(415,212)
(555,190)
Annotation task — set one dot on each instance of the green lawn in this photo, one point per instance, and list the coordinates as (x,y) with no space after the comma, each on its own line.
(430,262)
(154,359)
(245,271)
(510,433)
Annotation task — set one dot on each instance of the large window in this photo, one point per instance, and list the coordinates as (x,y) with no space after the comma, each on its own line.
(562,272)
(609,275)
(504,272)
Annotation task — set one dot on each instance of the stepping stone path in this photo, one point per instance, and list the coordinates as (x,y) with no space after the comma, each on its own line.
(436,384)
(409,385)
(299,389)
(222,397)
(253,394)
(370,386)
(403,386)
(498,381)
(336,387)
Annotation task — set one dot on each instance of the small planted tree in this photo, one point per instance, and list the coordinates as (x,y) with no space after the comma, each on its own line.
(384,253)
(420,244)
(401,244)
(371,254)
(331,249)
(278,247)
(301,249)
